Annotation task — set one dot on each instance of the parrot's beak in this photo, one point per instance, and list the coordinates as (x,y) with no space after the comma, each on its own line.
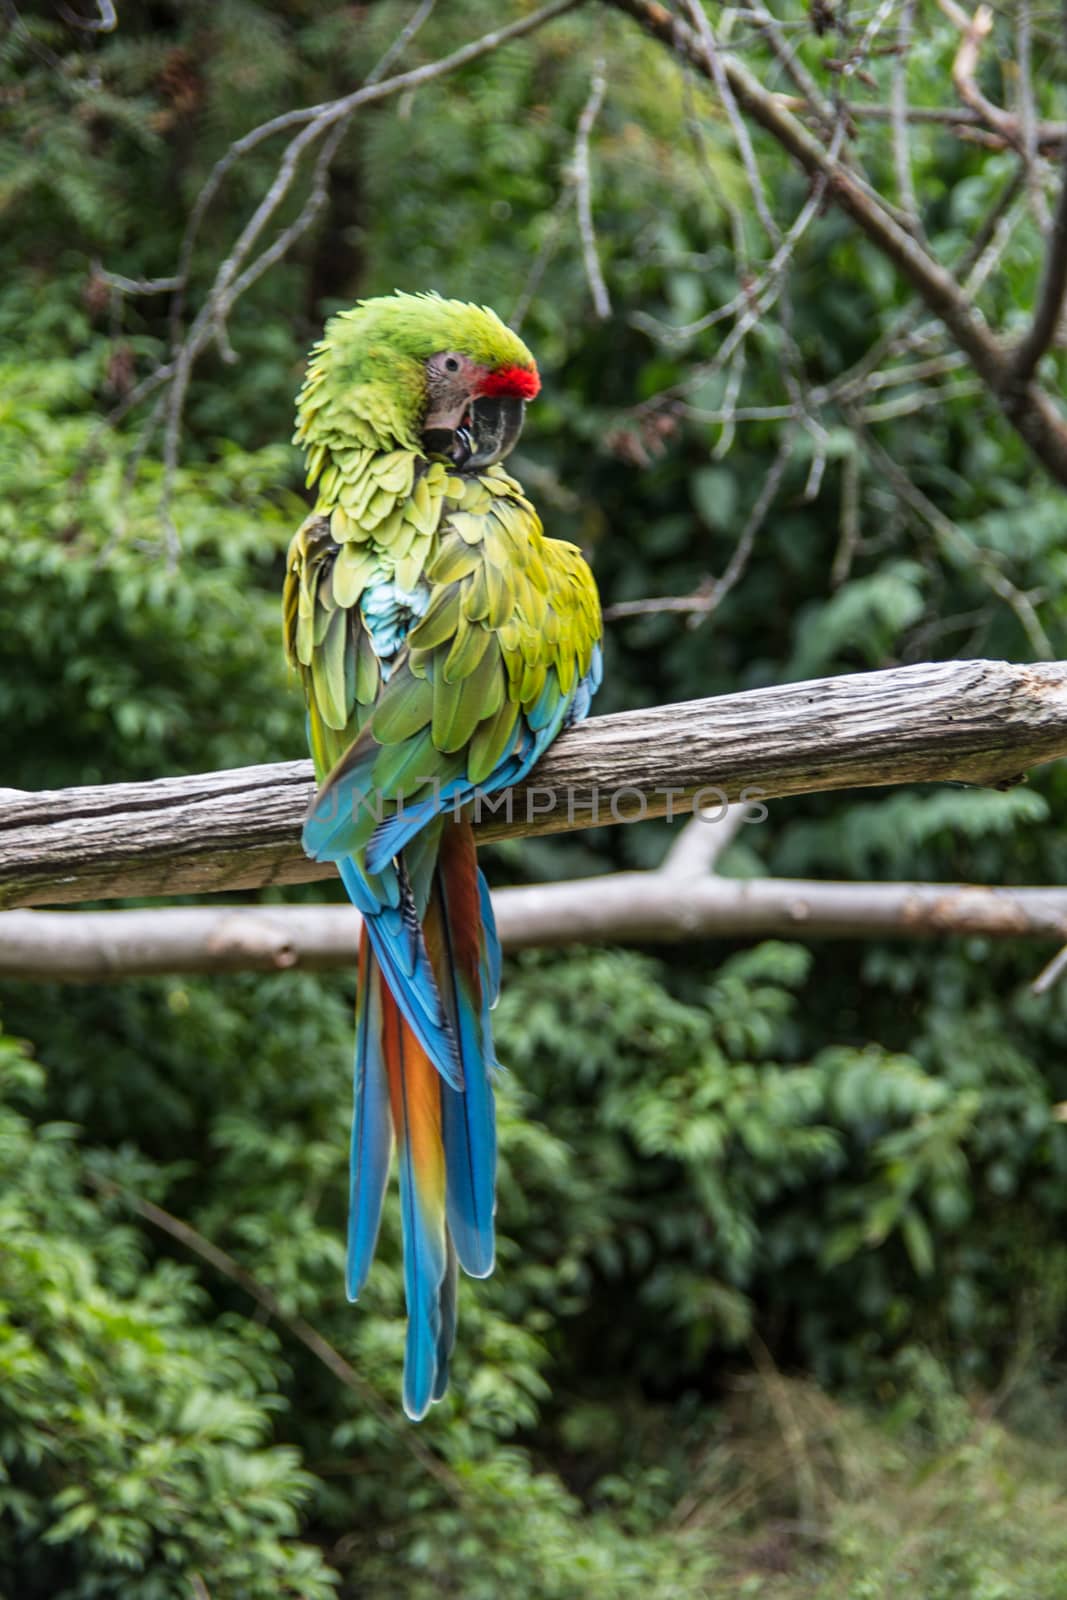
(490,428)
(496,422)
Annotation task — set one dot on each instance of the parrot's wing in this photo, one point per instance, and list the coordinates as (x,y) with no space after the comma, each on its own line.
(327,640)
(330,641)
(506,654)
(411,717)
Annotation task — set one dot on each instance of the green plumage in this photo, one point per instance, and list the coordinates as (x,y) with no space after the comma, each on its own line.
(441,638)
(508,611)
(494,630)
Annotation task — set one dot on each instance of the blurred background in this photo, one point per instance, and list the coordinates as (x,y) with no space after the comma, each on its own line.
(782,1273)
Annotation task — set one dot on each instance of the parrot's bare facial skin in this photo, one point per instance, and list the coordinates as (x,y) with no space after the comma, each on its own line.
(474,415)
(452,381)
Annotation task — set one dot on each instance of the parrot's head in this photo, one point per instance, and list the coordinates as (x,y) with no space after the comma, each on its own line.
(415,372)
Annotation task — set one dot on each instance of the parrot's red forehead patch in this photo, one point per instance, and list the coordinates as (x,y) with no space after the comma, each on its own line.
(519,383)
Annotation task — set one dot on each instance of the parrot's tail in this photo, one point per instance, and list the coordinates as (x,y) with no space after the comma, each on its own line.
(446,1137)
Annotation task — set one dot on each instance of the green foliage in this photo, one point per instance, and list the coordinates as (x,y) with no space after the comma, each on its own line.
(721,1181)
(167,669)
(844,1160)
(132,1427)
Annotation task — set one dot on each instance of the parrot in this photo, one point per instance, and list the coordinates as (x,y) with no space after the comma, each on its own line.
(443,642)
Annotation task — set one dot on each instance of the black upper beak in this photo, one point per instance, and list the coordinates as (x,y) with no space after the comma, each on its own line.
(496,422)
(488,431)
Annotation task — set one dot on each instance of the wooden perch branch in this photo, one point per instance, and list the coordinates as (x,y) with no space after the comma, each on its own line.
(622,908)
(980,722)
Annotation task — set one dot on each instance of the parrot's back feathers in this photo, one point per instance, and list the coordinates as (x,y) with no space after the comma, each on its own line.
(443,642)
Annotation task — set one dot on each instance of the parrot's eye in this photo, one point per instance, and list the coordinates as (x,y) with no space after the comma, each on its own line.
(451,364)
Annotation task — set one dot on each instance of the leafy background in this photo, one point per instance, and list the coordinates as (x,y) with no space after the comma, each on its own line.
(782,1271)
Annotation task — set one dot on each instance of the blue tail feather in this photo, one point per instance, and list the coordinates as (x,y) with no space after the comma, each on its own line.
(492,962)
(430,1301)
(468,1120)
(372,1129)
(405,963)
(446,1338)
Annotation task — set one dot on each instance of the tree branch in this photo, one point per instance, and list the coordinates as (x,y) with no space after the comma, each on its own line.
(583,190)
(704,838)
(1042,330)
(952,537)
(898,105)
(663,907)
(1028,115)
(962,721)
(713,591)
(1029,409)
(959,120)
(973,33)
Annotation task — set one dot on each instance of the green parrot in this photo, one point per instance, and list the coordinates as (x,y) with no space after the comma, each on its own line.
(443,642)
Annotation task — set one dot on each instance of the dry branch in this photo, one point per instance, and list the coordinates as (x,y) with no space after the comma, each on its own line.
(1030,409)
(966,721)
(973,33)
(626,907)
(583,192)
(1048,136)
(1049,309)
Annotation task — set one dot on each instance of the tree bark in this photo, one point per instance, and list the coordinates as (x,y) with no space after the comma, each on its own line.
(623,908)
(982,722)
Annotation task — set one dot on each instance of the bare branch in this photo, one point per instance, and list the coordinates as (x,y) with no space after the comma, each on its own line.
(960,721)
(721,190)
(137,286)
(742,554)
(653,606)
(583,193)
(548,247)
(316,199)
(1029,409)
(713,67)
(697,848)
(1050,974)
(849,536)
(982,252)
(812,98)
(974,31)
(905,405)
(757,297)
(1049,310)
(105,22)
(899,110)
(681,901)
(713,591)
(961,120)
(1028,117)
(857,56)
(421,14)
